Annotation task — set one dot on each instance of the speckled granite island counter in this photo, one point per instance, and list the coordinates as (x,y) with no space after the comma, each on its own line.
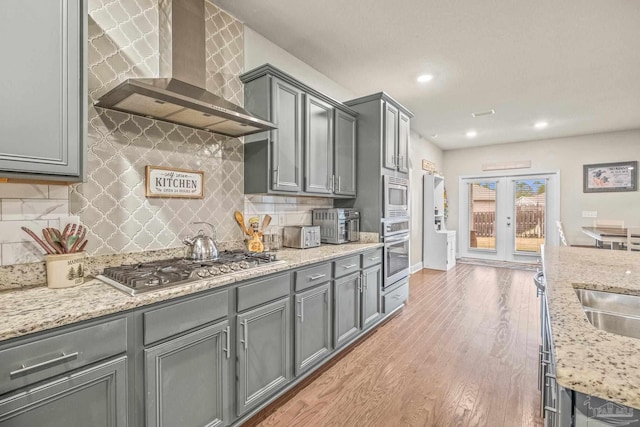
(589,360)
(25,311)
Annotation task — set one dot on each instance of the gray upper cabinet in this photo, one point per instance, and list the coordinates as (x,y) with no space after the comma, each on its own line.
(312,327)
(286,151)
(187,379)
(313,150)
(263,353)
(403,142)
(390,139)
(318,146)
(43,110)
(344,160)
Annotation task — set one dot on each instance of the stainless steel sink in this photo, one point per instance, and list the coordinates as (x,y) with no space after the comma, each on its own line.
(615,313)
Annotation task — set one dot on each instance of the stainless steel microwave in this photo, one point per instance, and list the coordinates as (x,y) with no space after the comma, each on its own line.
(396,197)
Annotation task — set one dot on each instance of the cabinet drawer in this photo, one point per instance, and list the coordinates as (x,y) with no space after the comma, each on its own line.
(38,360)
(262,291)
(182,316)
(371,258)
(395,298)
(312,276)
(347,265)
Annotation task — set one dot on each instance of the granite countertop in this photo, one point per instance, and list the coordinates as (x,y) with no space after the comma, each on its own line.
(588,359)
(24,311)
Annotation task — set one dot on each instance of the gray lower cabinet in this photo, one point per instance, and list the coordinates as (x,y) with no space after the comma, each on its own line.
(187,379)
(263,353)
(346,308)
(95,396)
(344,160)
(43,105)
(371,301)
(312,327)
(318,144)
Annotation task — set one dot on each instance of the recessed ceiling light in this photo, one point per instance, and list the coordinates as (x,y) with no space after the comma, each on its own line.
(472,134)
(425,78)
(541,125)
(434,135)
(484,113)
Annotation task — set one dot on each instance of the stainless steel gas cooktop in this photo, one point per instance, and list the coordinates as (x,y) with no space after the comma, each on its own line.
(149,276)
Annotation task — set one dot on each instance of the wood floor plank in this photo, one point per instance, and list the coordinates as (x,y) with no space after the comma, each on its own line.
(463,352)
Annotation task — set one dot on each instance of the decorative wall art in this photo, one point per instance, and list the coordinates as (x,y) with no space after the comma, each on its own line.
(610,177)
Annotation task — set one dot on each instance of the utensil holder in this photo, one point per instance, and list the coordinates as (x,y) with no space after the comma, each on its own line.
(65,270)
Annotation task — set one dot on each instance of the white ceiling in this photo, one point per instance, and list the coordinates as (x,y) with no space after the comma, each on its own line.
(573,63)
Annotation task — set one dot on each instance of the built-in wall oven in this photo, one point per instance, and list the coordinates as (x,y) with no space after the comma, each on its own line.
(396,197)
(395,235)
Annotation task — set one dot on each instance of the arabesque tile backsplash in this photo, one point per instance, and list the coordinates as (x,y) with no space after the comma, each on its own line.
(123,43)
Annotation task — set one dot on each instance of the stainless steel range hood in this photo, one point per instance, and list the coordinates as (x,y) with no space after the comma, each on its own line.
(180,96)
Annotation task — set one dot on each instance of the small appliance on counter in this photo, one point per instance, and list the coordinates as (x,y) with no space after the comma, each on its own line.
(301,236)
(337,225)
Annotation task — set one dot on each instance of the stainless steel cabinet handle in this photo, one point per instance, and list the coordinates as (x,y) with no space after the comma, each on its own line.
(227,332)
(276,175)
(339,185)
(396,296)
(400,159)
(316,277)
(24,370)
(245,331)
(374,258)
(301,315)
(350,266)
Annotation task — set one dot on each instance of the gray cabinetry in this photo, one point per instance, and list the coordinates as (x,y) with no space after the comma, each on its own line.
(318,146)
(263,353)
(94,396)
(404,129)
(390,138)
(186,379)
(313,326)
(344,160)
(371,286)
(43,108)
(347,308)
(311,126)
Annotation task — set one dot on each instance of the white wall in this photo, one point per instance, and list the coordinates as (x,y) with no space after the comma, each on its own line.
(567,155)
(259,51)
(419,149)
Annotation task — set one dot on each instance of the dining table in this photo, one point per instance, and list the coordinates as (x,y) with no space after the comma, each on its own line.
(615,235)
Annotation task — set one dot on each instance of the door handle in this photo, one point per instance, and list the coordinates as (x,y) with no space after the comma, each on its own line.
(339,185)
(24,370)
(301,315)
(317,276)
(227,332)
(245,332)
(346,267)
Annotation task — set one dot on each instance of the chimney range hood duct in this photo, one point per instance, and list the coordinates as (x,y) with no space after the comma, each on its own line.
(180,97)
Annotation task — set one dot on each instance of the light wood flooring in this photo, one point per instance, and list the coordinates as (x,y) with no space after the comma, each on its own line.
(463,352)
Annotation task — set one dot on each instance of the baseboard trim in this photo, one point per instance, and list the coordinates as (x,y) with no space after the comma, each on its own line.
(416,267)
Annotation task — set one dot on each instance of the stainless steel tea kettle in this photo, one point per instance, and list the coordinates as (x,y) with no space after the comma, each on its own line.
(202,247)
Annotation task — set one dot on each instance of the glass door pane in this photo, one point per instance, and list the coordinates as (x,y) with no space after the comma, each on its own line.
(482,215)
(530,207)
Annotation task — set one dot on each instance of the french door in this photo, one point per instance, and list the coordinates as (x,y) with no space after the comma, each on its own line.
(507,218)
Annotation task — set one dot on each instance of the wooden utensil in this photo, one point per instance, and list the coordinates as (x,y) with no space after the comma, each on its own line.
(265,222)
(48,236)
(240,220)
(39,241)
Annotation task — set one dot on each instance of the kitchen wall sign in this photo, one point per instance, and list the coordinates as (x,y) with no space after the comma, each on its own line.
(610,177)
(174,183)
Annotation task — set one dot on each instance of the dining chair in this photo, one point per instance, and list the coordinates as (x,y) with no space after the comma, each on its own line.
(608,223)
(633,243)
(563,240)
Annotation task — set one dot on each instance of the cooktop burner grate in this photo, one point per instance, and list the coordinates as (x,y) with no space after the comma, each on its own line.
(152,275)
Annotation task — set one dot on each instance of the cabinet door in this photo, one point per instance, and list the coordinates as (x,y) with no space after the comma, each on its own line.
(347,308)
(313,327)
(404,134)
(186,379)
(390,140)
(318,145)
(286,142)
(345,154)
(263,353)
(371,285)
(95,397)
(43,98)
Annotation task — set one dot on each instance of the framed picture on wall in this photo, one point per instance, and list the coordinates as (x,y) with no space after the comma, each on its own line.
(610,177)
